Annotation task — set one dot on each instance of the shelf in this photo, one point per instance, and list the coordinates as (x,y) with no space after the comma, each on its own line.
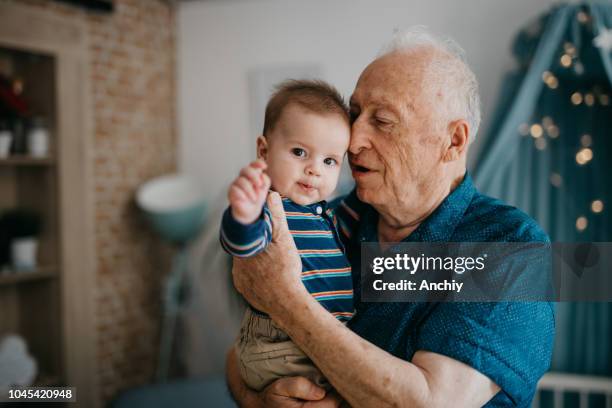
(43,272)
(24,160)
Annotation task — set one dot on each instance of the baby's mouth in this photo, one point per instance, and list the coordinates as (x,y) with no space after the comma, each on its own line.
(306,186)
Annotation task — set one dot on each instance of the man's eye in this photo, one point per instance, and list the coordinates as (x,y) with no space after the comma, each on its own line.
(298,152)
(330,162)
(381,121)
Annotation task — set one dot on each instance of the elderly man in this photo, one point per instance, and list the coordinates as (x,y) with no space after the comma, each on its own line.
(415,110)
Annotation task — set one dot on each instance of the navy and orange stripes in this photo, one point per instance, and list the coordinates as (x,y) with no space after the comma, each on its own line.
(326,273)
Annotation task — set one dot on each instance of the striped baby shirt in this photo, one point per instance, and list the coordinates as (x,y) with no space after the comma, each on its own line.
(326,272)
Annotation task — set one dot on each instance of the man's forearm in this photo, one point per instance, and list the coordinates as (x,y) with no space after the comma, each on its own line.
(363,374)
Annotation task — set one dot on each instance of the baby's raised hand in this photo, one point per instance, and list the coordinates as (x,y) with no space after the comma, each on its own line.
(248,192)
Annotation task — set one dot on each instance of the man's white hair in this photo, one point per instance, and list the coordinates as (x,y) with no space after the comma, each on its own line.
(453,73)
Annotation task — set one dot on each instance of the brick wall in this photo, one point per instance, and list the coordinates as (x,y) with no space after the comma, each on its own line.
(133,105)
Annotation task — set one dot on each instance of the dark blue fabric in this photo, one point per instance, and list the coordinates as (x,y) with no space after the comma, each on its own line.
(511,343)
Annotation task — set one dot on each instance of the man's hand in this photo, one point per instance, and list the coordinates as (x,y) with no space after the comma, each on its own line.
(273,277)
(289,392)
(298,392)
(248,192)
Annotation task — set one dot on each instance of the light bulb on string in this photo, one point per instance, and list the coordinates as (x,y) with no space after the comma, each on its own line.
(584,156)
(556,180)
(536,130)
(597,206)
(576,98)
(582,17)
(550,79)
(553,131)
(566,61)
(586,140)
(581,223)
(578,68)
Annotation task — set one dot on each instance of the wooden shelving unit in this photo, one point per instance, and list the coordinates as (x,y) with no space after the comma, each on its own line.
(41,273)
(30,301)
(24,160)
(52,308)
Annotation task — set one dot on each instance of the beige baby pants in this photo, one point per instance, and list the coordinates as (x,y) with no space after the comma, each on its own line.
(266,353)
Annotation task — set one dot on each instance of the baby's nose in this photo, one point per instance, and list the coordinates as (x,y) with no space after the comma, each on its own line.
(313,169)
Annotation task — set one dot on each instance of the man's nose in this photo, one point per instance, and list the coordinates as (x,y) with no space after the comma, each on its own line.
(360,137)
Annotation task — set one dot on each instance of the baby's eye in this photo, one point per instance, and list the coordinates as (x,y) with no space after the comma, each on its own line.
(298,152)
(330,162)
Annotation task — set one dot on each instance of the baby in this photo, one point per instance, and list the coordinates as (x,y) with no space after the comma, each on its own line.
(305,138)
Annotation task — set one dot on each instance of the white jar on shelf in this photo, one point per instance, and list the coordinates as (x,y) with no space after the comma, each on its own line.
(6,137)
(23,253)
(38,139)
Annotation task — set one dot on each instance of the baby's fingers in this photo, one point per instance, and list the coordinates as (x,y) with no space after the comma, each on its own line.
(265,182)
(236,194)
(253,174)
(247,187)
(259,164)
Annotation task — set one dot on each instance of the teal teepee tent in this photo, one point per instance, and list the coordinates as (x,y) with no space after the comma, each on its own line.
(549,152)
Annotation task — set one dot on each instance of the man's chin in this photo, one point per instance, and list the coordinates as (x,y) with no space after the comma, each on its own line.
(364,194)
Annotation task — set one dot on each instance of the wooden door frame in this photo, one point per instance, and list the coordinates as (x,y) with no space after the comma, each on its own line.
(66,39)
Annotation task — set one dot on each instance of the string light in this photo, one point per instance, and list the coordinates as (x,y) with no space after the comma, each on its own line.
(589,99)
(540,143)
(597,206)
(566,60)
(556,180)
(586,140)
(550,80)
(581,223)
(523,129)
(570,49)
(584,156)
(604,99)
(582,17)
(536,130)
(553,131)
(578,68)
(576,98)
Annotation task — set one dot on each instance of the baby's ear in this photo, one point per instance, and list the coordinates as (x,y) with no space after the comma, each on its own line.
(262,147)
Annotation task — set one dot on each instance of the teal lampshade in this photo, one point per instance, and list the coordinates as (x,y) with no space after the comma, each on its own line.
(175,206)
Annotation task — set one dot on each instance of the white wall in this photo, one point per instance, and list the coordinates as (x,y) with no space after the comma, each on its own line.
(220,42)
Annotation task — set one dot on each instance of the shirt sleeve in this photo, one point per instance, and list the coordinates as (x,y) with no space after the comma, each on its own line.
(245,240)
(509,342)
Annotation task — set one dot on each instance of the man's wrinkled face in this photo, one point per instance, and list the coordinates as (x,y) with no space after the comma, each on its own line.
(397,139)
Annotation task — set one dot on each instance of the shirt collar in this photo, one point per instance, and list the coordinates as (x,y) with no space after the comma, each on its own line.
(440,224)
(310,207)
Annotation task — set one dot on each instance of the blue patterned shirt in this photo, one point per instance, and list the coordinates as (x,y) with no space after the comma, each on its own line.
(326,272)
(509,342)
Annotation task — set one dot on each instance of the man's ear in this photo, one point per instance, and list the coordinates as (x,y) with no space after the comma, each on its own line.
(459,133)
(262,147)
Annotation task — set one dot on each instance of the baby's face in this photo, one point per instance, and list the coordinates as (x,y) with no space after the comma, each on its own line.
(304,154)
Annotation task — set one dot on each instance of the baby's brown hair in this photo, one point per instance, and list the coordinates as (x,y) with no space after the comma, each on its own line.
(313,95)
